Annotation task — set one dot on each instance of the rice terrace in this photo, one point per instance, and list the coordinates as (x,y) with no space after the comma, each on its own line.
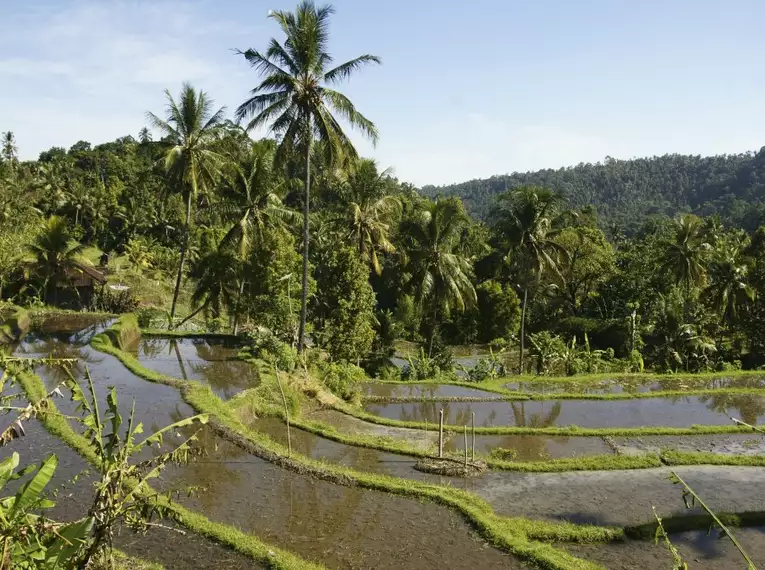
(234,342)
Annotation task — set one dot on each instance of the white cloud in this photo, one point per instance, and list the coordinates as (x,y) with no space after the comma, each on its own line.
(90,70)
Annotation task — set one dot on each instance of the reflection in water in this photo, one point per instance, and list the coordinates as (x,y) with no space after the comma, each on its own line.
(750,407)
(211,362)
(677,411)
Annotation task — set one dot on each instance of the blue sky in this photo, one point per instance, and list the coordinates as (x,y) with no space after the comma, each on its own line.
(466,90)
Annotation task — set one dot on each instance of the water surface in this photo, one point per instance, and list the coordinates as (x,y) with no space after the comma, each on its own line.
(341,527)
(679,411)
(213,362)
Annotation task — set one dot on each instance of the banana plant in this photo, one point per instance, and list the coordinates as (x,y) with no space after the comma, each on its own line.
(122,494)
(29,539)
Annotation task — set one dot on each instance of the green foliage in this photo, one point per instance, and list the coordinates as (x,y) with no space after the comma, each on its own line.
(107,301)
(265,345)
(344,306)
(627,192)
(548,350)
(426,367)
(499,311)
(273,284)
(342,378)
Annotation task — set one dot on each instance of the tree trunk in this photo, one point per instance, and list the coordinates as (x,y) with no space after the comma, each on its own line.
(182,260)
(523,328)
(235,327)
(432,331)
(304,293)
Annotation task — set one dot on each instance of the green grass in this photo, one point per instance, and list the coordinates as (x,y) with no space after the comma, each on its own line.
(125,562)
(515,535)
(239,541)
(671,457)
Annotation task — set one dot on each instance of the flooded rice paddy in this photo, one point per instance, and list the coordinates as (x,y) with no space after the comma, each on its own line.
(212,362)
(353,528)
(342,527)
(679,411)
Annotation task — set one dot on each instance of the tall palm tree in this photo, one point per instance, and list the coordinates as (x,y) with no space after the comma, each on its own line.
(189,128)
(440,272)
(216,275)
(369,211)
(55,254)
(296,100)
(252,203)
(525,218)
(686,254)
(9,151)
(728,290)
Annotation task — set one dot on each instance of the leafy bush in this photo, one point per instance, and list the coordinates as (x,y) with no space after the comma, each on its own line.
(487,368)
(342,379)
(265,345)
(119,302)
(151,317)
(425,367)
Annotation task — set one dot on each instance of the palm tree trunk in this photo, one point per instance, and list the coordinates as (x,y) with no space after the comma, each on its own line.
(235,327)
(432,331)
(523,328)
(304,293)
(182,260)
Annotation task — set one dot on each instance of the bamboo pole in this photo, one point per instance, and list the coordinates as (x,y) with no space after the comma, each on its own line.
(441,434)
(286,411)
(472,448)
(739,422)
(466,448)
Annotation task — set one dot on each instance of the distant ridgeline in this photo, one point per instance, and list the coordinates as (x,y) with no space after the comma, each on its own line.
(627,192)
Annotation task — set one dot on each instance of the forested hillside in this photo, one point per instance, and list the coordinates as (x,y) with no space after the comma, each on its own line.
(625,192)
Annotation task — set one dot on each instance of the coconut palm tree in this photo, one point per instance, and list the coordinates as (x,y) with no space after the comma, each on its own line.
(55,254)
(9,151)
(252,203)
(525,218)
(189,128)
(369,211)
(728,290)
(440,273)
(216,275)
(295,99)
(686,254)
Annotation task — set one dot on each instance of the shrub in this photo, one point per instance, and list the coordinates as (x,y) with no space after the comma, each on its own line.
(119,302)
(342,379)
(265,345)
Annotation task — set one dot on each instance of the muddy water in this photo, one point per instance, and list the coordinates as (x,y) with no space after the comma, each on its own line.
(176,551)
(700,549)
(208,361)
(358,458)
(728,444)
(425,440)
(432,391)
(621,497)
(155,405)
(341,527)
(533,447)
(635,385)
(679,411)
